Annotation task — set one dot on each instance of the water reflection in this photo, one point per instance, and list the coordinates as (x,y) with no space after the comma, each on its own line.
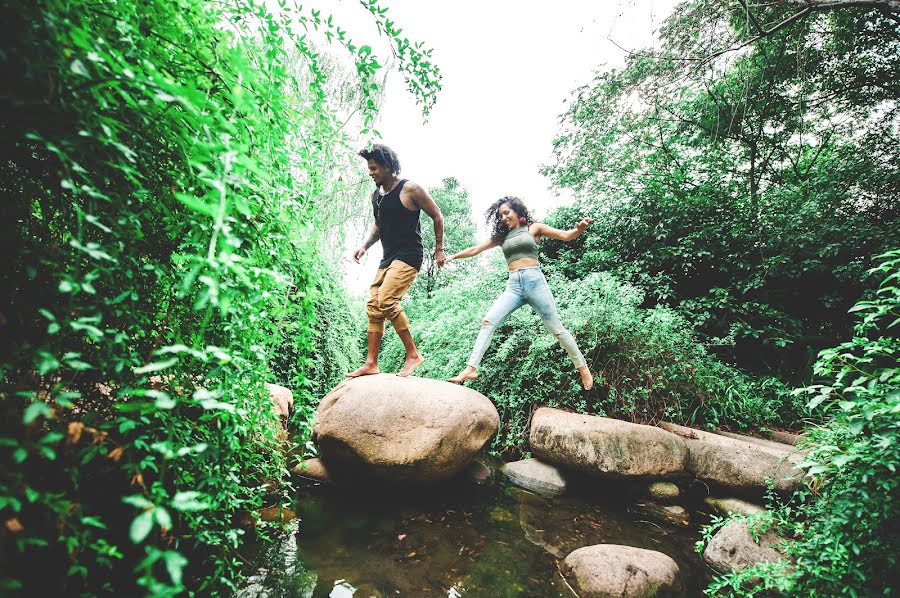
(494,540)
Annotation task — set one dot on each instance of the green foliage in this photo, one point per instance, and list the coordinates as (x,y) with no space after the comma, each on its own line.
(459,233)
(746,190)
(163,164)
(648,363)
(845,527)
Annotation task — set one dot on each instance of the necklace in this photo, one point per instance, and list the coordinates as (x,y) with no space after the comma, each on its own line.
(380,199)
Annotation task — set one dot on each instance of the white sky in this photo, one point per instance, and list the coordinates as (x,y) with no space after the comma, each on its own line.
(507,69)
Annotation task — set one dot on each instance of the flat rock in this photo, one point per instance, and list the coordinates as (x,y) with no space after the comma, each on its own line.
(605,447)
(738,464)
(611,570)
(537,476)
(406,430)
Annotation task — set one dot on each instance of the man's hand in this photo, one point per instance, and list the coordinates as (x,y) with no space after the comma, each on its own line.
(358,254)
(440,257)
(582,226)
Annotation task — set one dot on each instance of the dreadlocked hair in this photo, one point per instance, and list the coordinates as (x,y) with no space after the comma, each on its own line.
(495,223)
(382,154)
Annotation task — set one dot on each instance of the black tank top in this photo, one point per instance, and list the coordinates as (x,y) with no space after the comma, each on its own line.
(401,235)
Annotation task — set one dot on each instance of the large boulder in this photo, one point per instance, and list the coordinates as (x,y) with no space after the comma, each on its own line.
(605,447)
(734,548)
(389,428)
(739,464)
(611,570)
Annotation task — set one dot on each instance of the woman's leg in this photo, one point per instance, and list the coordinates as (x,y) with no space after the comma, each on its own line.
(539,297)
(506,303)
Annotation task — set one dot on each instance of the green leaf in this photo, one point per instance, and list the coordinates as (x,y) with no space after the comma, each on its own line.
(155,366)
(78,68)
(190,500)
(138,501)
(141,526)
(35,410)
(175,564)
(162,518)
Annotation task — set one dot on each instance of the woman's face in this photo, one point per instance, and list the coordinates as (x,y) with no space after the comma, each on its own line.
(508,216)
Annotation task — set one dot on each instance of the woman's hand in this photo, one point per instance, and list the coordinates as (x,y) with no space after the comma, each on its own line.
(582,226)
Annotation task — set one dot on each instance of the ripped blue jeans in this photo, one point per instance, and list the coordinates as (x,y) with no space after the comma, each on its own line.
(526,285)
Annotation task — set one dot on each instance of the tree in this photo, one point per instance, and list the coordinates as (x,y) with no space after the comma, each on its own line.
(459,232)
(747,191)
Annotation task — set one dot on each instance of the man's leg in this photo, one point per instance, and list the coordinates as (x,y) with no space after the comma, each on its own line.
(413,358)
(375,330)
(397,280)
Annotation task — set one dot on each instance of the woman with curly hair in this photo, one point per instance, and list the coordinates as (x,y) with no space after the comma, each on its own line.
(517,235)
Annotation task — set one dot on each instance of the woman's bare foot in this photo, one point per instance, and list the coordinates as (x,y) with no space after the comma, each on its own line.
(367,369)
(467,374)
(587,379)
(410,365)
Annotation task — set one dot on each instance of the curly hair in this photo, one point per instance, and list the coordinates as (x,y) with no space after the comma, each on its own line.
(382,154)
(495,224)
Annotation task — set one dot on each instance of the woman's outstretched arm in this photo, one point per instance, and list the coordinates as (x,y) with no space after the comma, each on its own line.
(473,251)
(540,230)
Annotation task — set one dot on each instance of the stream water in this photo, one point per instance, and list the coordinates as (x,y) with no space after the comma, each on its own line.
(493,540)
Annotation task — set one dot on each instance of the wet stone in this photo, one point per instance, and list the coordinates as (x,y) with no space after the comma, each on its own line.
(536,476)
(608,570)
(663,491)
(730,506)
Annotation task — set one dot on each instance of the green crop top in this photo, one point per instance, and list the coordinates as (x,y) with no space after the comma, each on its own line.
(518,244)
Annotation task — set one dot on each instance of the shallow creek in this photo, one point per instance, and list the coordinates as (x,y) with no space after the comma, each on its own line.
(490,539)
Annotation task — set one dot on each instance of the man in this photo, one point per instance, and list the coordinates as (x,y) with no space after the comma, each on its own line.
(396,204)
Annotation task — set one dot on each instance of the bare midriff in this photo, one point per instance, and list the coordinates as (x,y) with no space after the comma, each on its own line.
(525,262)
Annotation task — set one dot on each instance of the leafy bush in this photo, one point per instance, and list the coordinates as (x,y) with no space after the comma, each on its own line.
(648,363)
(162,167)
(845,525)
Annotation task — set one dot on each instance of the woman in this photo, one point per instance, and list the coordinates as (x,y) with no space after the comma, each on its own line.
(517,235)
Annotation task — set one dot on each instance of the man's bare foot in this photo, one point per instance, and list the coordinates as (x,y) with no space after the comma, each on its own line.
(467,374)
(367,369)
(587,379)
(410,365)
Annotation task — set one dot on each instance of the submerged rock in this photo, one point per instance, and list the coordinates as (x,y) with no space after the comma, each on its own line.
(611,570)
(536,476)
(410,430)
(605,447)
(663,491)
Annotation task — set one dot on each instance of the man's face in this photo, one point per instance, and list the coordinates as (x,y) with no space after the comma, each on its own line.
(378,172)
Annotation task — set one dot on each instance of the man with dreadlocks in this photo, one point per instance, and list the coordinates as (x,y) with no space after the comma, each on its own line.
(396,204)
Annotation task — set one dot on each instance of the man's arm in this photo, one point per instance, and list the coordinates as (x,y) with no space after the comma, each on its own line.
(425,203)
(371,239)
